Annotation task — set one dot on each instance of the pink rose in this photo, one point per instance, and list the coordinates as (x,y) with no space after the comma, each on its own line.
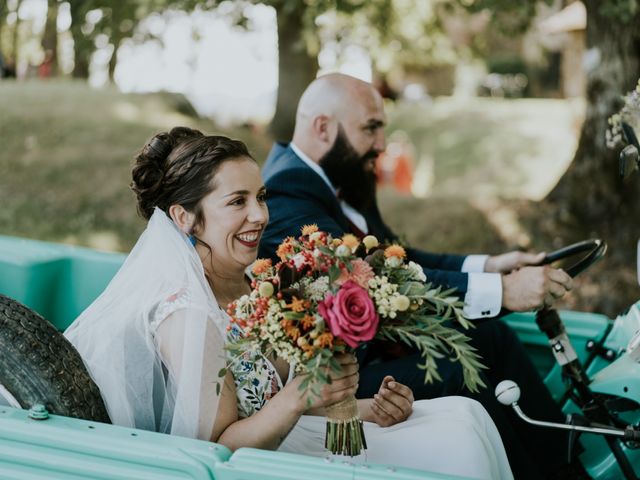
(350,313)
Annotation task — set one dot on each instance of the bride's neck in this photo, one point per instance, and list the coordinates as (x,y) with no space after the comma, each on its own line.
(228,287)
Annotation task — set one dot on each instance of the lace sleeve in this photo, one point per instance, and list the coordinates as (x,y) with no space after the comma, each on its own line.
(176,301)
(192,352)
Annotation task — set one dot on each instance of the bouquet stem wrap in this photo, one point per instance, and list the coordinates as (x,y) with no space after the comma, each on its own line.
(345,435)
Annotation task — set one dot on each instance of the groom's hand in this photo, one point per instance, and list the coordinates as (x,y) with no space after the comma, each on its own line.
(533,288)
(510,261)
(392,404)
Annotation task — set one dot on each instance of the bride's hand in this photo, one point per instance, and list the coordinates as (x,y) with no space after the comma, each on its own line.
(341,387)
(392,404)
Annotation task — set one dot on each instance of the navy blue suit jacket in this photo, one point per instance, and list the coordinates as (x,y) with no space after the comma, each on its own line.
(297,196)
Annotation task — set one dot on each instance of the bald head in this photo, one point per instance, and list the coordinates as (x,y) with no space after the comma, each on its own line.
(330,95)
(331,101)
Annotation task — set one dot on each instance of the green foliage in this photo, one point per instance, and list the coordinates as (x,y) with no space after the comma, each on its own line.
(396,33)
(513,16)
(623,11)
(434,341)
(507,15)
(506,64)
(429,328)
(334,273)
(118,21)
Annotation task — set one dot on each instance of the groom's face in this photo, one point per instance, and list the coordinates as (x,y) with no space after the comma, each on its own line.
(353,175)
(350,162)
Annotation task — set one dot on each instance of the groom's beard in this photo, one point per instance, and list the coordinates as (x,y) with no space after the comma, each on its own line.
(349,173)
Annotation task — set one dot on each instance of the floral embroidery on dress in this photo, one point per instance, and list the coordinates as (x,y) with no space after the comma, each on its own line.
(255,377)
(175,301)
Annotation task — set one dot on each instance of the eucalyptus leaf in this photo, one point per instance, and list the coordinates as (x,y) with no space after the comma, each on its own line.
(334,273)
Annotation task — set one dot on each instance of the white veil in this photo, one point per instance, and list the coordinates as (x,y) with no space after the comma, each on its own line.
(153,341)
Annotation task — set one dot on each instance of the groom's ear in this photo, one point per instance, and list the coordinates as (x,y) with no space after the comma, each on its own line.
(182,218)
(322,128)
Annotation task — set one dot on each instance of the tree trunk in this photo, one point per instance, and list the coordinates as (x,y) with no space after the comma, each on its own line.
(83,45)
(117,15)
(591,199)
(296,69)
(3,16)
(16,32)
(82,51)
(113,61)
(50,36)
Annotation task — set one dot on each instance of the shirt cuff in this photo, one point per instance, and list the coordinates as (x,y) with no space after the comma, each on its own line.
(474,263)
(484,295)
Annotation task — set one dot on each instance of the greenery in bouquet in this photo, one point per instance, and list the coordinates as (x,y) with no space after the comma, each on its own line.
(328,295)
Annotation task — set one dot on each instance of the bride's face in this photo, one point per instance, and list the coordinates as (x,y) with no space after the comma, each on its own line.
(235,215)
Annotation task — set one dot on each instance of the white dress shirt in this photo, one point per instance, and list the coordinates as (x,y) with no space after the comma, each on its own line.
(484,290)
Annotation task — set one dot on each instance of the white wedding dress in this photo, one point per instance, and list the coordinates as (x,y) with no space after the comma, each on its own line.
(449,435)
(154,343)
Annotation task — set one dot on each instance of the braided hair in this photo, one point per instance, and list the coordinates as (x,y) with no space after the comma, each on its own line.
(178,168)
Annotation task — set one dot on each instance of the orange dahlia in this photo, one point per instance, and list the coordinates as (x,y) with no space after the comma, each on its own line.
(261,265)
(297,305)
(395,251)
(351,241)
(324,340)
(309,229)
(307,321)
(285,248)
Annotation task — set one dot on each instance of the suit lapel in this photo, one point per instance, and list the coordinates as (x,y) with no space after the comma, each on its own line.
(282,158)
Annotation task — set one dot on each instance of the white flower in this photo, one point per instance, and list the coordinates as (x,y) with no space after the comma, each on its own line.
(383,294)
(400,303)
(299,260)
(393,262)
(370,242)
(317,289)
(417,273)
(315,236)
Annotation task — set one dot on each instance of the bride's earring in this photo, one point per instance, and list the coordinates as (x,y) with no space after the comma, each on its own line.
(193,240)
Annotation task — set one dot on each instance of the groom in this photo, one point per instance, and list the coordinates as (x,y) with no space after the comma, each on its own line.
(326,176)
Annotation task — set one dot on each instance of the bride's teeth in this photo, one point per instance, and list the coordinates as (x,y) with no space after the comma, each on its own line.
(248,237)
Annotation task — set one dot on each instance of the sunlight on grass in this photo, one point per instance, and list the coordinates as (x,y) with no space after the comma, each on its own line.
(504,221)
(513,148)
(66,158)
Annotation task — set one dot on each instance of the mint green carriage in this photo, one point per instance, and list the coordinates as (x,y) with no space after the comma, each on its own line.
(59,281)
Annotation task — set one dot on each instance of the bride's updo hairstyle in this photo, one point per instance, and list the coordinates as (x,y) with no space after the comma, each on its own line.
(176,168)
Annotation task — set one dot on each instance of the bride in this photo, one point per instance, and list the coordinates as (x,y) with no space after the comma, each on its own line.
(154,340)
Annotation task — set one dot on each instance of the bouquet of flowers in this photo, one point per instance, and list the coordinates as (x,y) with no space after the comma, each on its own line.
(329,295)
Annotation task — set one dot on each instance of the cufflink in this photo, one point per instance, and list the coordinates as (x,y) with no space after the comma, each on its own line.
(485,313)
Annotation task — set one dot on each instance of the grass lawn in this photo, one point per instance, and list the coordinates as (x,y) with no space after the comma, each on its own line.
(66,158)
(67,152)
(492,147)
(477,157)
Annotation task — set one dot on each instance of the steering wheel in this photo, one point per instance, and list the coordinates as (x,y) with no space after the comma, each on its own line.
(592,250)
(550,323)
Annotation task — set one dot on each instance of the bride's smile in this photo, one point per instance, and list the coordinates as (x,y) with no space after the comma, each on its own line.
(250,239)
(234,216)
